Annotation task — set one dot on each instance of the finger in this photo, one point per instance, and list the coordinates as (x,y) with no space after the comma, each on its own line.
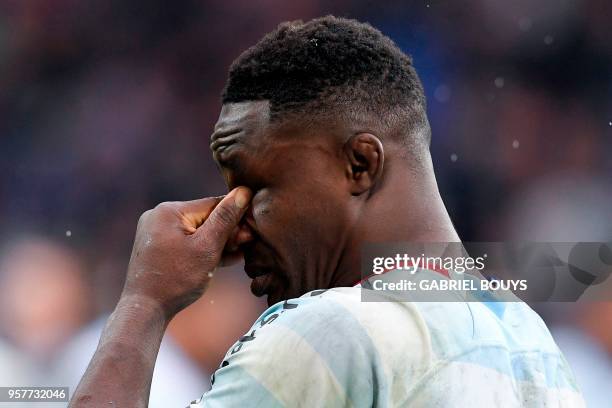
(239,236)
(195,212)
(232,242)
(219,225)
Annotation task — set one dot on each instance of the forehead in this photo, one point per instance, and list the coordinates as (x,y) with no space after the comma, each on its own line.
(250,115)
(245,141)
(245,129)
(238,124)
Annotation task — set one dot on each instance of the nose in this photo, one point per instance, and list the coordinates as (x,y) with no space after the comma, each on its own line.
(246,230)
(245,234)
(248,220)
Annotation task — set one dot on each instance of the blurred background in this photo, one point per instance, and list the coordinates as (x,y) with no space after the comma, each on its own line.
(106,109)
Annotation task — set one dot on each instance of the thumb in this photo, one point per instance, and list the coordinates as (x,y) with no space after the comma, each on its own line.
(218,227)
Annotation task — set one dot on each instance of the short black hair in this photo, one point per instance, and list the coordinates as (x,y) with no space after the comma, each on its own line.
(330,65)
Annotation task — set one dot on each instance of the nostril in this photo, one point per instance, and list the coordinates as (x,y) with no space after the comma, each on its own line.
(245,233)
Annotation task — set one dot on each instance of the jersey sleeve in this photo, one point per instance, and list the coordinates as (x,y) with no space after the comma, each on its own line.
(303,352)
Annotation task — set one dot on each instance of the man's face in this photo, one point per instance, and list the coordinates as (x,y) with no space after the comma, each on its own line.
(300,215)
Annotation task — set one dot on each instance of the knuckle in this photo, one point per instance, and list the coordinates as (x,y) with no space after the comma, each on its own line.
(165,206)
(163,210)
(144,216)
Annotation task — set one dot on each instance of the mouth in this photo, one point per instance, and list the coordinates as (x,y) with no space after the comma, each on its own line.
(262,279)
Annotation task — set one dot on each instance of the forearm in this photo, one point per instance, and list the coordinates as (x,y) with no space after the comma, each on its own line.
(176,248)
(121,369)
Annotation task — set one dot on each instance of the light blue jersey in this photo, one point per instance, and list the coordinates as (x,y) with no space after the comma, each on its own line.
(328,348)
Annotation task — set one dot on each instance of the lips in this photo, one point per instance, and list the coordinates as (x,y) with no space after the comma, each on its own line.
(262,278)
(253,270)
(261,284)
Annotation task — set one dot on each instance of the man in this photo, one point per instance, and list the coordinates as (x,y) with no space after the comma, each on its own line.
(323,141)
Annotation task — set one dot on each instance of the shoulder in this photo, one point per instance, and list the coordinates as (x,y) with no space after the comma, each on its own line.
(328,348)
(341,312)
(310,349)
(334,326)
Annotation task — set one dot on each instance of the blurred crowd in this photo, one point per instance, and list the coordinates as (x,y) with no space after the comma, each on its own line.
(106,109)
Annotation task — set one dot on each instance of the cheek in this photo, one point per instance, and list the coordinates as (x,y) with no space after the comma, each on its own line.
(299,216)
(278,217)
(266,211)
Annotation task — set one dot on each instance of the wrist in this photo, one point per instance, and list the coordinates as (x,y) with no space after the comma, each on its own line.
(138,305)
(123,363)
(136,318)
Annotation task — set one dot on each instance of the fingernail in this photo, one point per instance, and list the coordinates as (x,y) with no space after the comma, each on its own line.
(242,198)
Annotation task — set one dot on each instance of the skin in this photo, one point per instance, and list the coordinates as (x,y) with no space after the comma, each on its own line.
(304,198)
(313,198)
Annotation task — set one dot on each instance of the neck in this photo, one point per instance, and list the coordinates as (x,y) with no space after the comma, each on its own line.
(406,207)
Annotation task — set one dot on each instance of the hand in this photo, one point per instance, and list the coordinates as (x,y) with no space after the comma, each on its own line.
(178,246)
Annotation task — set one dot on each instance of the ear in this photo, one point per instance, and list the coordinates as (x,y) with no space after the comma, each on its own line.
(365,159)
